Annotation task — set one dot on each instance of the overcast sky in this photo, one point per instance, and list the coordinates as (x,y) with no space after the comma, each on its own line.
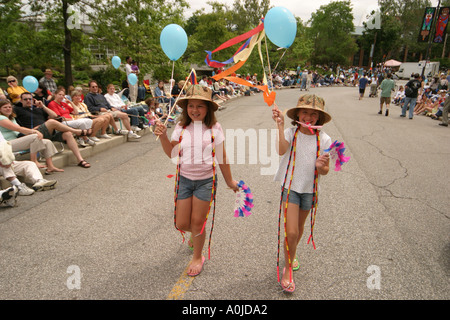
(303,8)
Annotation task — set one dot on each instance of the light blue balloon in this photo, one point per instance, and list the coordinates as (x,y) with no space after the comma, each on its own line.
(132,79)
(30,83)
(280,26)
(173,41)
(116,62)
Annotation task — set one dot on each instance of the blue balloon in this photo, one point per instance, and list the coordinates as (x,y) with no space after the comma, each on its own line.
(280,26)
(116,62)
(173,41)
(30,83)
(132,79)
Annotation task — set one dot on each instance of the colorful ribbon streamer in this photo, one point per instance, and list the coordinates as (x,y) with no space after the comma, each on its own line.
(245,206)
(336,151)
(252,38)
(309,126)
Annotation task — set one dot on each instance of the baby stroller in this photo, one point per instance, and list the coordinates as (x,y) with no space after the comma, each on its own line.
(373,90)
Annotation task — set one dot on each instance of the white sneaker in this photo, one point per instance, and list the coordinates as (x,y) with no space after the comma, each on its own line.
(24,190)
(81,142)
(135,128)
(9,196)
(133,135)
(121,132)
(95,139)
(105,136)
(43,185)
(90,142)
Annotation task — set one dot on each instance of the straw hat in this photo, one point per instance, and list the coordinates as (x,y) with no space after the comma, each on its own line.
(310,101)
(199,92)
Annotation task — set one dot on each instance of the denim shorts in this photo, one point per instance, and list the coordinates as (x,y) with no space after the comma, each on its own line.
(201,189)
(303,200)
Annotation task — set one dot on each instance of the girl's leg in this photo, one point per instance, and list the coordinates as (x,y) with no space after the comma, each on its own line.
(198,216)
(295,222)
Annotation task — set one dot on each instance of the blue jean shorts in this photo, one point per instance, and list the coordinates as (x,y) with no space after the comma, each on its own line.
(303,200)
(201,189)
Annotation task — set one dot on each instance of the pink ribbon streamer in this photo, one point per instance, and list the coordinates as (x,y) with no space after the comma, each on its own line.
(309,126)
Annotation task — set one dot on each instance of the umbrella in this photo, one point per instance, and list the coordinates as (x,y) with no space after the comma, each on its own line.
(392,63)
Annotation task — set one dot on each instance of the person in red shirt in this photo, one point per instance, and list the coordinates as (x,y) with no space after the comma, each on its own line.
(65,111)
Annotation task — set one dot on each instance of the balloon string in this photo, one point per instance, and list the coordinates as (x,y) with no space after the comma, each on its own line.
(171,78)
(280,60)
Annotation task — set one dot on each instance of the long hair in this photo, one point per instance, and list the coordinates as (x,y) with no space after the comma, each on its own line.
(4,103)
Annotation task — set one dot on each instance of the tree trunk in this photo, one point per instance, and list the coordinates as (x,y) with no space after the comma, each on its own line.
(67,48)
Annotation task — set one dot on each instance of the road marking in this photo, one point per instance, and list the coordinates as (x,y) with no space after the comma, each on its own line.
(181,287)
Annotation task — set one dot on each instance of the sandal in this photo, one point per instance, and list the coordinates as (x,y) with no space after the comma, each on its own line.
(290,288)
(298,264)
(84,164)
(191,244)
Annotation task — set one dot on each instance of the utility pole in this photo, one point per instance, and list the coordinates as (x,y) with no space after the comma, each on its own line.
(430,40)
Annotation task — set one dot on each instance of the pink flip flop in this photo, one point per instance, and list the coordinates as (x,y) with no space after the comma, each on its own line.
(290,288)
(196,274)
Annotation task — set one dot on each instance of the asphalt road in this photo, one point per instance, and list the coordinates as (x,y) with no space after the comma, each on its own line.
(382,227)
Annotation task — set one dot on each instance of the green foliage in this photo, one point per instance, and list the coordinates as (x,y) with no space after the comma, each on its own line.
(107,76)
(331,28)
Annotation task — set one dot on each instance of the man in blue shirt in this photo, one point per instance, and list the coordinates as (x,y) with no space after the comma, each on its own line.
(362,86)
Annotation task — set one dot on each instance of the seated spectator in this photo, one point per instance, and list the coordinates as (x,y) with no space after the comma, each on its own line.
(14,90)
(399,96)
(48,81)
(42,94)
(10,169)
(117,103)
(42,119)
(163,97)
(97,104)
(22,138)
(65,111)
(99,122)
(176,90)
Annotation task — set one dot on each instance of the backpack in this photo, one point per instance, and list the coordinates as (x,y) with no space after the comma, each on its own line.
(408,91)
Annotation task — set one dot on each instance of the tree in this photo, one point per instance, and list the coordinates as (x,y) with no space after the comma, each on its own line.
(132,28)
(331,28)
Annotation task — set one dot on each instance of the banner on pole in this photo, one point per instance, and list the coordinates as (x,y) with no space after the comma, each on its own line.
(441,25)
(425,29)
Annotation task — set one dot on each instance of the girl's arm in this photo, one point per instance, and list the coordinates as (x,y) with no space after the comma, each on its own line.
(167,145)
(226,170)
(282,145)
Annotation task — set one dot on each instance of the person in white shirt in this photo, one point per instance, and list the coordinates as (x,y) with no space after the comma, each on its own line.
(116,102)
(10,169)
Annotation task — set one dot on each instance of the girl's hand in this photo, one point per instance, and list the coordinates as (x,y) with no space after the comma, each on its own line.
(323,163)
(233,185)
(277,116)
(160,128)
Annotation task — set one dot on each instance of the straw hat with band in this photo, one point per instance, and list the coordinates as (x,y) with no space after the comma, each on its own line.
(310,101)
(198,92)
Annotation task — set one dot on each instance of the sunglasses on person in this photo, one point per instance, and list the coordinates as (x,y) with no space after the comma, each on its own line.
(11,81)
